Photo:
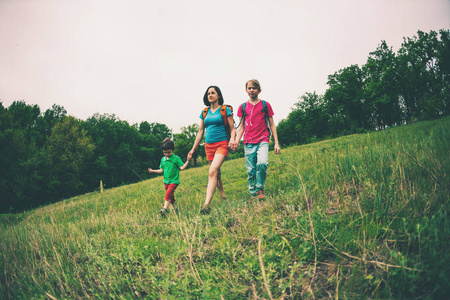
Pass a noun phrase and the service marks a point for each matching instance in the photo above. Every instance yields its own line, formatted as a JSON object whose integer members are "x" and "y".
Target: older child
{"x": 170, "y": 166}
{"x": 255, "y": 121}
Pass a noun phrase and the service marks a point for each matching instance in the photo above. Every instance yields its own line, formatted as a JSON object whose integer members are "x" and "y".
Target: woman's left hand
{"x": 189, "y": 156}
{"x": 233, "y": 144}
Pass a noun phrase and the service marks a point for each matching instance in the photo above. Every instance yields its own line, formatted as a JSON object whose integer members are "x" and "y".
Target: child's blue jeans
{"x": 257, "y": 162}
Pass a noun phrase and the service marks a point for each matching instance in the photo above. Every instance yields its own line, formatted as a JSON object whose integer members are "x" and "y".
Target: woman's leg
{"x": 214, "y": 169}
{"x": 220, "y": 184}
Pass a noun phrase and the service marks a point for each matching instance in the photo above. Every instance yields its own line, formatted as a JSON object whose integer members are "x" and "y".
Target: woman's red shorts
{"x": 219, "y": 148}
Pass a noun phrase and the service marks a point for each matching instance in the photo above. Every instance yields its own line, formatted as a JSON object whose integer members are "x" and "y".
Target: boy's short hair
{"x": 255, "y": 83}
{"x": 167, "y": 144}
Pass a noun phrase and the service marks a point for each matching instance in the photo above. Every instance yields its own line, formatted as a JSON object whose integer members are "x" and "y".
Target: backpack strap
{"x": 205, "y": 111}
{"x": 243, "y": 109}
{"x": 265, "y": 110}
{"x": 223, "y": 113}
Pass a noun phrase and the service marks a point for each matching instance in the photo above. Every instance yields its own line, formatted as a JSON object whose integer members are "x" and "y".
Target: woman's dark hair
{"x": 205, "y": 97}
{"x": 167, "y": 144}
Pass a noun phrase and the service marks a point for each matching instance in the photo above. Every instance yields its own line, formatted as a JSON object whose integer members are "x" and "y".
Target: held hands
{"x": 233, "y": 144}
{"x": 150, "y": 170}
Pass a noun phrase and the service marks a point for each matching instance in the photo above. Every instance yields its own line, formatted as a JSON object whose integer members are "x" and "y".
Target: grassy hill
{"x": 359, "y": 217}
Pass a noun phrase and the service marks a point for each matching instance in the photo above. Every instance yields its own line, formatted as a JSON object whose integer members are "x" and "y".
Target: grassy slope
{"x": 362, "y": 216}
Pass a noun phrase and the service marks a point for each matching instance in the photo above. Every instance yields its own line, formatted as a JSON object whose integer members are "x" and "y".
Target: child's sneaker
{"x": 163, "y": 212}
{"x": 260, "y": 194}
{"x": 205, "y": 210}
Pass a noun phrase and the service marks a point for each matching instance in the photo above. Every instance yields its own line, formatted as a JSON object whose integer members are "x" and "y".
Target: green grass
{"x": 359, "y": 217}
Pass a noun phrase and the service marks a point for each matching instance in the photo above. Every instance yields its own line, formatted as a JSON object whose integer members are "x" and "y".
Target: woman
{"x": 216, "y": 141}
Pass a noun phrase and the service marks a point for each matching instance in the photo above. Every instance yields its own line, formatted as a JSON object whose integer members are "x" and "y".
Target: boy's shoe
{"x": 163, "y": 212}
{"x": 205, "y": 210}
{"x": 260, "y": 194}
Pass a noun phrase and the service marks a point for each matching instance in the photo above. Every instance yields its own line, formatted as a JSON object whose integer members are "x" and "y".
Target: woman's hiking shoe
{"x": 163, "y": 212}
{"x": 260, "y": 194}
{"x": 205, "y": 210}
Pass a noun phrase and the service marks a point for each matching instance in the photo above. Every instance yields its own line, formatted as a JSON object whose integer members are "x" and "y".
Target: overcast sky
{"x": 153, "y": 60}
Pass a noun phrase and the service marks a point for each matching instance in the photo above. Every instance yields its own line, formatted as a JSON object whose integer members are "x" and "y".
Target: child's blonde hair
{"x": 255, "y": 83}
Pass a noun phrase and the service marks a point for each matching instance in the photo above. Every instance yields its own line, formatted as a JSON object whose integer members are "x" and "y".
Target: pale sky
{"x": 145, "y": 60}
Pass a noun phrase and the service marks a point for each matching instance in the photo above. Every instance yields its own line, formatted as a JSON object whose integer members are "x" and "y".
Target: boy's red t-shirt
{"x": 255, "y": 122}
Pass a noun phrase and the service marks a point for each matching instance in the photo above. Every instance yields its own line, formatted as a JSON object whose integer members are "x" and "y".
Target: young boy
{"x": 255, "y": 121}
{"x": 170, "y": 166}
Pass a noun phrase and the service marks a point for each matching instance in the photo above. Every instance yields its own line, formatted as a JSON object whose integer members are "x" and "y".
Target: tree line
{"x": 49, "y": 156}
{"x": 46, "y": 157}
{"x": 412, "y": 84}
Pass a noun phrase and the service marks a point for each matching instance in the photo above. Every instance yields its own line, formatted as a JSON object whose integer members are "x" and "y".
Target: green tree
{"x": 381, "y": 86}
{"x": 314, "y": 122}
{"x": 443, "y": 64}
{"x": 69, "y": 151}
{"x": 123, "y": 152}
{"x": 348, "y": 110}
{"x": 21, "y": 160}
{"x": 148, "y": 151}
{"x": 47, "y": 121}
{"x": 307, "y": 122}
{"x": 111, "y": 155}
{"x": 24, "y": 116}
{"x": 158, "y": 130}
{"x": 185, "y": 140}
{"x": 423, "y": 83}
{"x": 8, "y": 157}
